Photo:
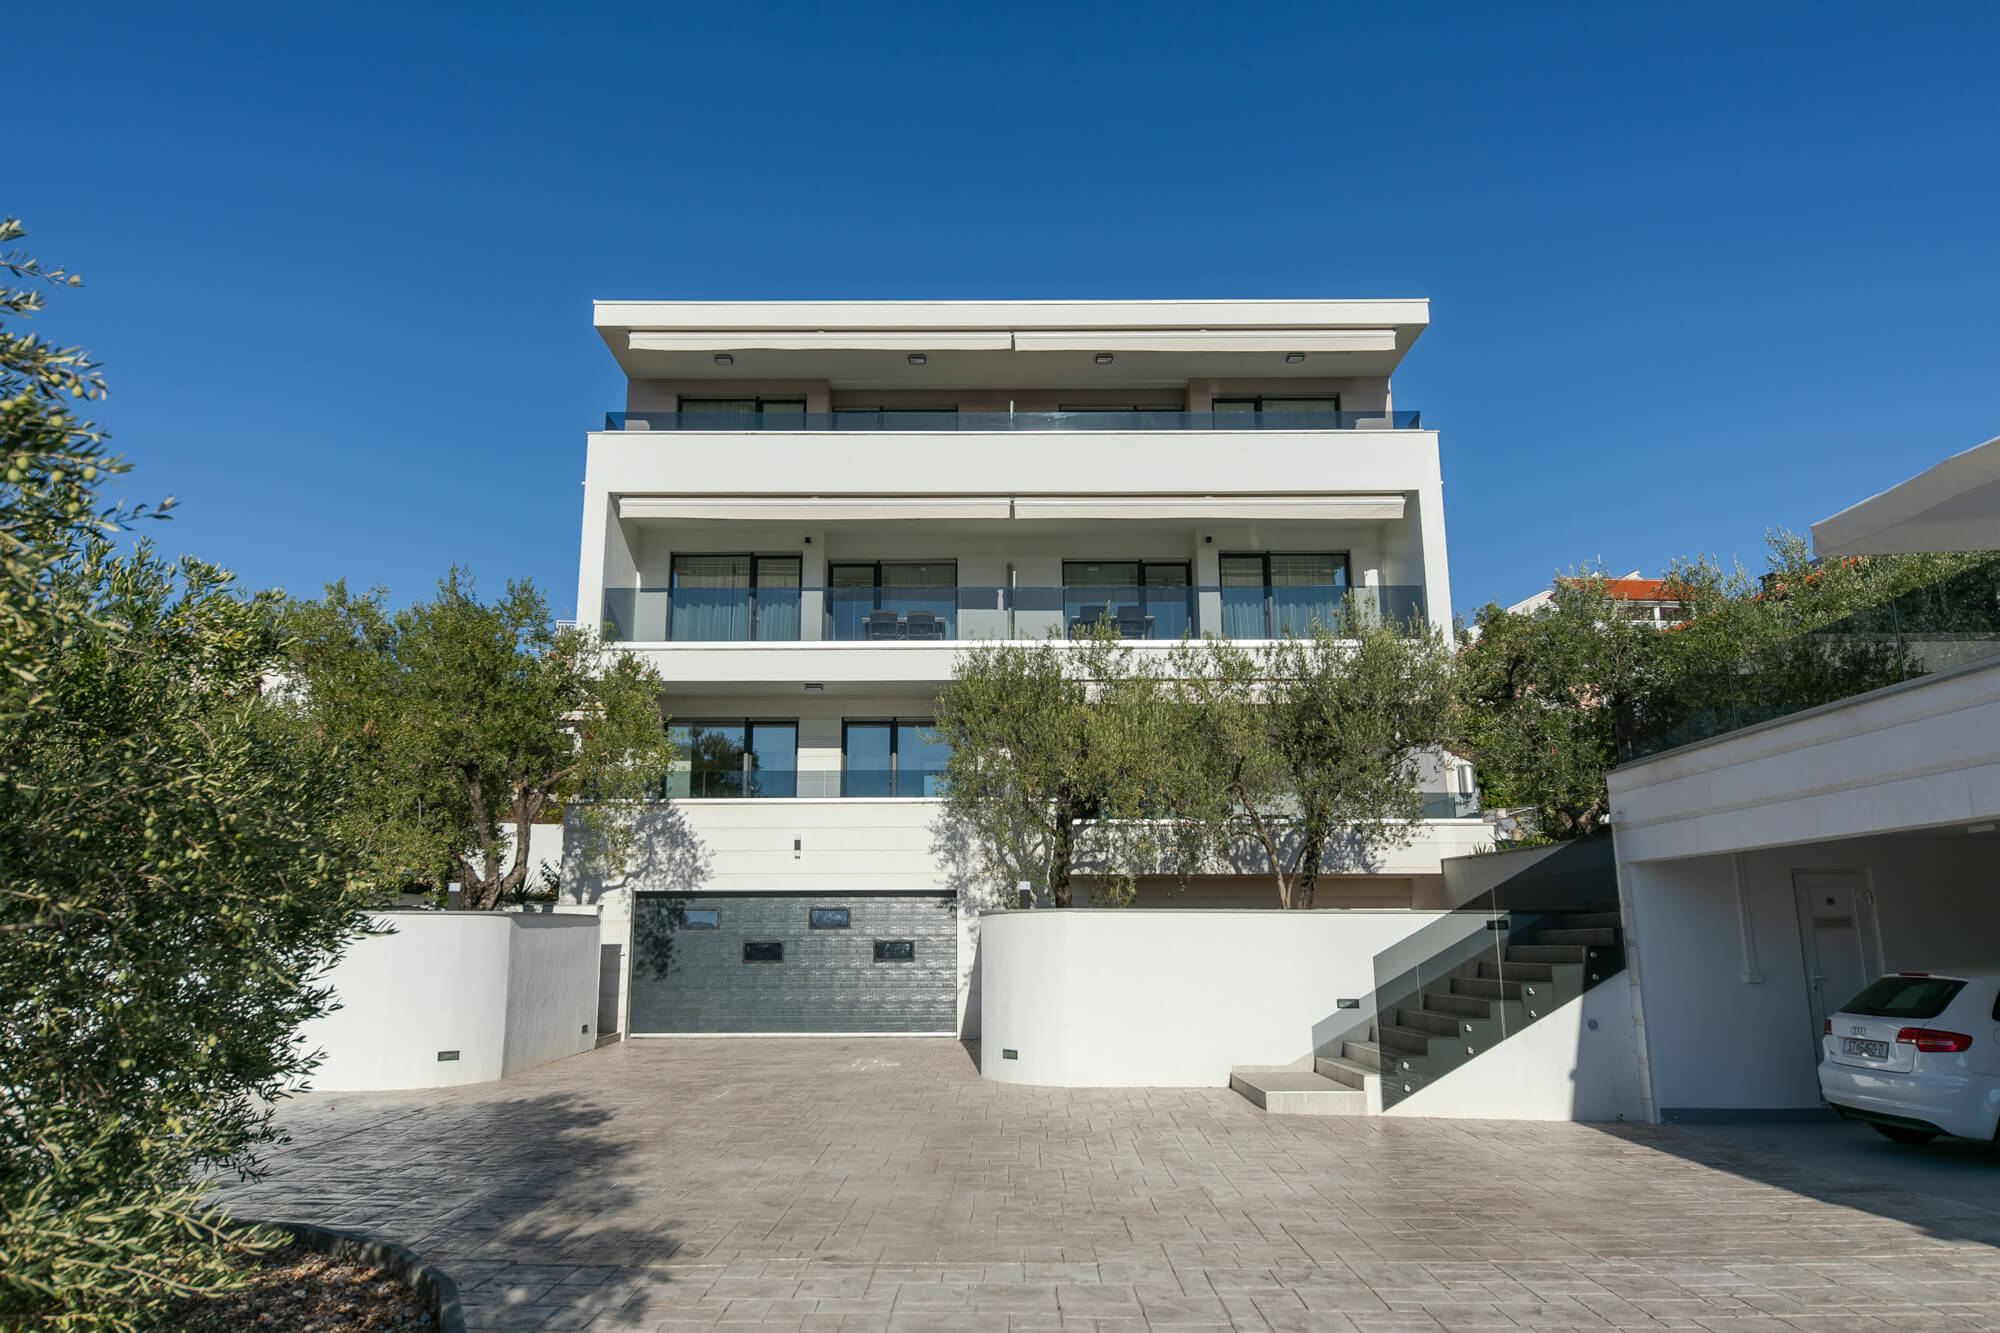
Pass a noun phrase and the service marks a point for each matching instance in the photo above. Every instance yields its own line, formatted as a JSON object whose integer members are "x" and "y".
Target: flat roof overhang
{"x": 980, "y": 344}
{"x": 1954, "y": 506}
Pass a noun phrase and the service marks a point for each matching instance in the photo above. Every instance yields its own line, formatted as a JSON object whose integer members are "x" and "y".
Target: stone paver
{"x": 881, "y": 1184}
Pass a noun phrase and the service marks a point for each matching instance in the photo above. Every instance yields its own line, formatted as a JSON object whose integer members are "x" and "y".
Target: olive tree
{"x": 168, "y": 885}
{"x": 1306, "y": 754}
{"x": 1052, "y": 763}
{"x": 463, "y": 718}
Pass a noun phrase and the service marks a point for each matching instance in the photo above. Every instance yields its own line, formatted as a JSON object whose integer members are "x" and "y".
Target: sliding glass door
{"x": 734, "y": 759}
{"x": 1276, "y": 595}
{"x": 731, "y": 598}
{"x": 899, "y": 757}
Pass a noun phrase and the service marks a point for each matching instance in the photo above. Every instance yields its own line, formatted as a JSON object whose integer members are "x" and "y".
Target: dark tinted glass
{"x": 699, "y": 918}
{"x": 829, "y": 918}
{"x": 763, "y": 951}
{"x": 1905, "y": 997}
{"x": 895, "y": 951}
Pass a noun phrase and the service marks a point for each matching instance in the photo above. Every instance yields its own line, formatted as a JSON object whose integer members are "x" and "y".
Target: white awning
{"x": 1954, "y": 506}
{"x": 1210, "y": 506}
{"x": 821, "y": 509}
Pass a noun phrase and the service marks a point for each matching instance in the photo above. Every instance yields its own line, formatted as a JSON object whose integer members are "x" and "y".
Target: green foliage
{"x": 167, "y": 889}
{"x": 1308, "y": 752}
{"x": 1046, "y": 737}
{"x": 1539, "y": 695}
{"x": 459, "y": 717}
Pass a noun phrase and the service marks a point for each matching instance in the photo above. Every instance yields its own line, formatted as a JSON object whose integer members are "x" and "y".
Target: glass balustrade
{"x": 974, "y": 612}
{"x": 712, "y": 422}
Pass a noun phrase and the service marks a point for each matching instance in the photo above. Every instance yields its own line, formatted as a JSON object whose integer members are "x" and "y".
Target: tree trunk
{"x": 1309, "y": 859}
{"x": 1061, "y": 848}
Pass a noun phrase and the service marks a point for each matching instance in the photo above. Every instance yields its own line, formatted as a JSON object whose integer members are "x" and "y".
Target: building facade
{"x": 805, "y": 510}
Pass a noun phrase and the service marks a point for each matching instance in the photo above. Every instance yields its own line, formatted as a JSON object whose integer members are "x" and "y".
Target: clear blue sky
{"x": 1695, "y": 270}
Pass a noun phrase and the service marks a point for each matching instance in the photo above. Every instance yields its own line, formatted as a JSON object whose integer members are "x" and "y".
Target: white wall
{"x": 1110, "y": 998}
{"x": 1578, "y": 1063}
{"x": 507, "y": 991}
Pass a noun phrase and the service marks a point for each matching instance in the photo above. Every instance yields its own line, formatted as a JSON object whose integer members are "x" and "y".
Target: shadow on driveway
{"x": 1949, "y": 1189}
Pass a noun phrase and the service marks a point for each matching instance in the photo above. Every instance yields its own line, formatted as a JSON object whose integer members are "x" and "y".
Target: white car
{"x": 1916, "y": 1055}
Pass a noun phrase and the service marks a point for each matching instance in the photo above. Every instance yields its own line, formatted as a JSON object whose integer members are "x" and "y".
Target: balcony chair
{"x": 1085, "y": 621}
{"x": 1133, "y": 623}
{"x": 882, "y": 625}
{"x": 922, "y": 625}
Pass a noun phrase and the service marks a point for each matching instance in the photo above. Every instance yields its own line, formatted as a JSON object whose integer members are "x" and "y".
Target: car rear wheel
{"x": 1904, "y": 1134}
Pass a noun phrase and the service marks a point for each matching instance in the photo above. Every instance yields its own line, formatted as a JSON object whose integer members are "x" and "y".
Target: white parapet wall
{"x": 505, "y": 991}
{"x": 1174, "y": 999}
{"x": 1161, "y": 998}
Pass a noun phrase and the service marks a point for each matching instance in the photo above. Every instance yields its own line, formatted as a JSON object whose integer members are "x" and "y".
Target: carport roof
{"x": 1954, "y": 506}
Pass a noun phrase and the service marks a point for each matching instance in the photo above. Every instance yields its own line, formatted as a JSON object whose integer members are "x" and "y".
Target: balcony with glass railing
{"x": 1952, "y": 623}
{"x": 941, "y": 614}
{"x": 714, "y": 422}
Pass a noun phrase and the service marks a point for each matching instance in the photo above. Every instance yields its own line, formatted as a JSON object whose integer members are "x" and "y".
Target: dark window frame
{"x": 763, "y": 947}
{"x": 745, "y": 770}
{"x": 1345, "y": 558}
{"x": 1257, "y": 400}
{"x": 895, "y": 726}
{"x": 682, "y": 919}
{"x": 813, "y": 921}
{"x": 681, "y": 404}
{"x": 756, "y": 561}
{"x": 895, "y": 956}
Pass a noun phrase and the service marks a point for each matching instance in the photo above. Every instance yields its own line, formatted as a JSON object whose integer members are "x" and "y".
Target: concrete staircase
{"x": 1467, "y": 1010}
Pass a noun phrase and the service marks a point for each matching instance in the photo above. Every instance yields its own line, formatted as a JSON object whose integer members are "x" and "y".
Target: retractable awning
{"x": 1954, "y": 506}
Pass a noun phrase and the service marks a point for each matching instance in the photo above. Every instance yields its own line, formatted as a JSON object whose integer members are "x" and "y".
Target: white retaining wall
{"x": 507, "y": 991}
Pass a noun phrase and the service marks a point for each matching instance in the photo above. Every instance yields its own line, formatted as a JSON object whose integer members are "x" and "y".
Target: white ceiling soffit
{"x": 1954, "y": 506}
{"x": 1210, "y": 506}
{"x": 1205, "y": 340}
{"x": 794, "y": 340}
{"x": 832, "y": 509}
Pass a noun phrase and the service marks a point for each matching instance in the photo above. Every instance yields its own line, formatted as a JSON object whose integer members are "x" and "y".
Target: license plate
{"x": 1872, "y": 1050}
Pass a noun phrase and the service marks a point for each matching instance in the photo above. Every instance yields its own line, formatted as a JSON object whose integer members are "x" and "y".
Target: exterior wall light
{"x": 1104, "y": 358}
{"x": 916, "y": 358}
{"x": 1293, "y": 358}
{"x": 814, "y": 687}
{"x": 724, "y": 359}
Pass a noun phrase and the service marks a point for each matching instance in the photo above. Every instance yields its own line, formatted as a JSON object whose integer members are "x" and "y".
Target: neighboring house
{"x": 1770, "y": 870}
{"x": 806, "y": 510}
{"x": 1642, "y": 600}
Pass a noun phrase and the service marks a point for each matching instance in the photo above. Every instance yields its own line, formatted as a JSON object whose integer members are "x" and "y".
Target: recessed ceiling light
{"x": 1104, "y": 358}
{"x": 724, "y": 359}
{"x": 916, "y": 358}
{"x": 1293, "y": 358}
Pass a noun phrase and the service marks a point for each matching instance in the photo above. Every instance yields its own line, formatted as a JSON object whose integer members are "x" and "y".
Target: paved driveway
{"x": 871, "y": 1184}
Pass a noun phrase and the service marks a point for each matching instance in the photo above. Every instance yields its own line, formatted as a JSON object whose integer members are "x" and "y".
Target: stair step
{"x": 1482, "y": 988}
{"x": 1578, "y": 935}
{"x": 1412, "y": 1040}
{"x": 1431, "y": 1021}
{"x": 1518, "y": 971}
{"x": 1547, "y": 953}
{"x": 1297, "y": 1092}
{"x": 1347, "y": 1073}
{"x": 1370, "y": 1055}
{"x": 1611, "y": 919}
{"x": 1463, "y": 1006}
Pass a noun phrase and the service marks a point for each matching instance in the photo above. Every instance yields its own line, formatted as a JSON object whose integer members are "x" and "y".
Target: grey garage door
{"x": 794, "y": 962}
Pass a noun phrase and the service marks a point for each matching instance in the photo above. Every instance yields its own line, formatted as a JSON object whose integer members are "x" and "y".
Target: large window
{"x": 1143, "y": 599}
{"x": 734, "y": 759}
{"x": 745, "y": 413}
{"x": 861, "y": 417}
{"x": 896, "y": 757}
{"x": 1276, "y": 595}
{"x": 730, "y": 598}
{"x": 892, "y": 599}
{"x": 1303, "y": 408}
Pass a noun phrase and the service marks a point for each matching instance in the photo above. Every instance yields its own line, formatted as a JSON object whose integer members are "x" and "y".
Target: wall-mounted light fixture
{"x": 917, "y": 358}
{"x": 814, "y": 687}
{"x": 1293, "y": 358}
{"x": 724, "y": 359}
{"x": 1104, "y": 358}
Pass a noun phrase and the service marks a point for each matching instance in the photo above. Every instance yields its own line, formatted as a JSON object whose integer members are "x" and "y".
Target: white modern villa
{"x": 804, "y": 511}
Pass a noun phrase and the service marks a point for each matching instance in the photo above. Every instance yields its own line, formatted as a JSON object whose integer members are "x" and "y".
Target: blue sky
{"x": 1695, "y": 270}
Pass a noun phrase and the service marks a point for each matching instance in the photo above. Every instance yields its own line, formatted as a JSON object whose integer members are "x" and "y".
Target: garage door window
{"x": 895, "y": 951}
{"x": 698, "y": 918}
{"x": 763, "y": 951}
{"x": 829, "y": 918}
